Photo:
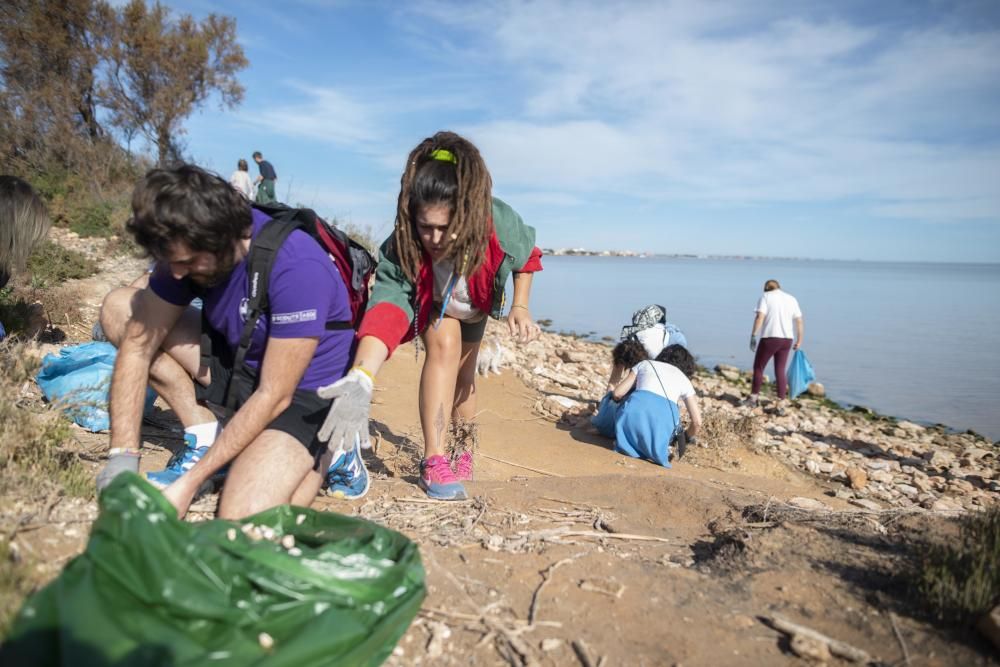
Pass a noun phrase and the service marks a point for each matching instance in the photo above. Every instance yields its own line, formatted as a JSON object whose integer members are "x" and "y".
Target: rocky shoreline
{"x": 871, "y": 461}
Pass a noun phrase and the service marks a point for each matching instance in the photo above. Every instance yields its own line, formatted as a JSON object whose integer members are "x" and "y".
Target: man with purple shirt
{"x": 199, "y": 230}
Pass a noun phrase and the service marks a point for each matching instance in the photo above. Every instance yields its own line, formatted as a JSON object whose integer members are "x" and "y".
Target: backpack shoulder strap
{"x": 260, "y": 260}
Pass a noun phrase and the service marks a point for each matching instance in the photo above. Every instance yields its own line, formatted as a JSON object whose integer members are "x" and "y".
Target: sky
{"x": 841, "y": 130}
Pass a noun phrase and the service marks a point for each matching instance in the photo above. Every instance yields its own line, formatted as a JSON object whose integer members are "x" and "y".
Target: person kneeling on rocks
{"x": 648, "y": 421}
{"x": 650, "y": 327}
{"x": 200, "y": 231}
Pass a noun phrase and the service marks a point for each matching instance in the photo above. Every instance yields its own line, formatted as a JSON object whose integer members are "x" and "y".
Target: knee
{"x": 445, "y": 348}
{"x": 116, "y": 309}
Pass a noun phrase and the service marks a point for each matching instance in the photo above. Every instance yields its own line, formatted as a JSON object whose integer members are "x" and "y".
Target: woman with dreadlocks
{"x": 439, "y": 275}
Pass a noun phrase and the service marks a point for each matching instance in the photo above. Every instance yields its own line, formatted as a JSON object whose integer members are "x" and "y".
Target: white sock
{"x": 204, "y": 434}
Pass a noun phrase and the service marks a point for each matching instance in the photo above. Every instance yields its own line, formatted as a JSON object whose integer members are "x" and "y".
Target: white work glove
{"x": 347, "y": 421}
{"x": 119, "y": 461}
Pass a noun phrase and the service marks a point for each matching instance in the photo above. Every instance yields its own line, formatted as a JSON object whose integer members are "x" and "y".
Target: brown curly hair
{"x": 191, "y": 205}
{"x": 463, "y": 185}
{"x": 628, "y": 353}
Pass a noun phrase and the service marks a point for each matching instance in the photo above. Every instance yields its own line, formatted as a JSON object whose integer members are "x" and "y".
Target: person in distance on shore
{"x": 439, "y": 275}
{"x": 240, "y": 179}
{"x": 199, "y": 230}
{"x": 648, "y": 423}
{"x": 265, "y": 180}
{"x": 649, "y": 327}
{"x": 777, "y": 314}
{"x": 623, "y": 357}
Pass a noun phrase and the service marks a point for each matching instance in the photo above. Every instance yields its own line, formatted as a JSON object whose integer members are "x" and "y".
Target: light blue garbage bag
{"x": 800, "y": 374}
{"x": 78, "y": 379}
{"x": 604, "y": 420}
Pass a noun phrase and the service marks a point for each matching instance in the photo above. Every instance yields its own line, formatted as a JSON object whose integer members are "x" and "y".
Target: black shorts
{"x": 301, "y": 420}
{"x": 472, "y": 332}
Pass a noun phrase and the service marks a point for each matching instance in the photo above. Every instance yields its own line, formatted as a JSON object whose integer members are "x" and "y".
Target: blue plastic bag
{"x": 78, "y": 379}
{"x": 675, "y": 336}
{"x": 800, "y": 374}
{"x": 604, "y": 420}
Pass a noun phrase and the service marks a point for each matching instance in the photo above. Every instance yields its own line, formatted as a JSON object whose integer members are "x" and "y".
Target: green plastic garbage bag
{"x": 153, "y": 590}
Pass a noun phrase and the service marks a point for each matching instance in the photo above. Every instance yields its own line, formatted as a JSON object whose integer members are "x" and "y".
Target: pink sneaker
{"x": 439, "y": 481}
{"x": 463, "y": 466}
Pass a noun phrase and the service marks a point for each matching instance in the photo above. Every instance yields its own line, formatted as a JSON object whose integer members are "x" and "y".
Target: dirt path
{"x": 570, "y": 554}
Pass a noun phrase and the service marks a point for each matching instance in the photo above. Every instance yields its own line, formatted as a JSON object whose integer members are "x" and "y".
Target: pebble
{"x": 858, "y": 477}
{"x": 551, "y": 644}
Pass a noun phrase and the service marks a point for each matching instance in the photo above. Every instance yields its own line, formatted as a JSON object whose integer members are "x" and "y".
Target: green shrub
{"x": 94, "y": 219}
{"x": 960, "y": 579}
{"x": 52, "y": 264}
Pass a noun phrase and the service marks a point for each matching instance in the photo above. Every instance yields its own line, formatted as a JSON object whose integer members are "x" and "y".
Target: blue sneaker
{"x": 347, "y": 476}
{"x": 183, "y": 461}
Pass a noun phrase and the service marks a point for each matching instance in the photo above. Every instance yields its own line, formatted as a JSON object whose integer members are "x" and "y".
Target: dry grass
{"x": 462, "y": 437}
{"x": 959, "y": 579}
{"x": 15, "y": 585}
{"x": 40, "y": 299}
{"x": 33, "y": 456}
{"x": 721, "y": 433}
{"x": 35, "y": 468}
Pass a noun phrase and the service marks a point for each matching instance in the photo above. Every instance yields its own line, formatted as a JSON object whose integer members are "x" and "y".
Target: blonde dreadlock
{"x": 445, "y": 169}
{"x": 24, "y": 222}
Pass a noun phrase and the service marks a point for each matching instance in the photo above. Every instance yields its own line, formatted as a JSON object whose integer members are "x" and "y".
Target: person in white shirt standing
{"x": 241, "y": 180}
{"x": 777, "y": 314}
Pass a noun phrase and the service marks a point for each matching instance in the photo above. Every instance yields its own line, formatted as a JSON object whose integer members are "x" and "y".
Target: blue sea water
{"x": 916, "y": 340}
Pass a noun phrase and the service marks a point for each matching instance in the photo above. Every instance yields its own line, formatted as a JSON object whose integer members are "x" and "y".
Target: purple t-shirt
{"x": 305, "y": 292}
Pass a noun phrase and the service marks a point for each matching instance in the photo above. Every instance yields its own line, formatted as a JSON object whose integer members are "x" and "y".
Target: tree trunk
{"x": 162, "y": 146}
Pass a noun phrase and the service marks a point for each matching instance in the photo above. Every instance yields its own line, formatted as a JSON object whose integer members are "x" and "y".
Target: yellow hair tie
{"x": 443, "y": 156}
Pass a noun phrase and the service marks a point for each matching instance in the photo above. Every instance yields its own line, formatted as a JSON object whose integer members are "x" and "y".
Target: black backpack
{"x": 352, "y": 260}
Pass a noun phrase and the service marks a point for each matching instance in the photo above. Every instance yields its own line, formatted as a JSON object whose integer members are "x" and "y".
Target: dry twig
{"x": 837, "y": 647}
{"x": 546, "y": 576}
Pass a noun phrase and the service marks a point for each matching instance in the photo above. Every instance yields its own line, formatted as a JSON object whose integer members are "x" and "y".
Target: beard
{"x": 223, "y": 269}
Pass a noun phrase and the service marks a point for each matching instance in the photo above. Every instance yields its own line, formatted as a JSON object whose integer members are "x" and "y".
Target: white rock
{"x": 866, "y": 504}
{"x": 807, "y": 504}
{"x": 559, "y": 404}
{"x": 551, "y": 644}
{"x": 946, "y": 505}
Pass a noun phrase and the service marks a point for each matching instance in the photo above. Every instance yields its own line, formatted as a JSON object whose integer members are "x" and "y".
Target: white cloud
{"x": 725, "y": 103}
{"x": 320, "y": 113}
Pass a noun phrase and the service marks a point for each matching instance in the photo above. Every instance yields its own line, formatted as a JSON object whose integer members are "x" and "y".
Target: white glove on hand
{"x": 119, "y": 461}
{"x": 347, "y": 420}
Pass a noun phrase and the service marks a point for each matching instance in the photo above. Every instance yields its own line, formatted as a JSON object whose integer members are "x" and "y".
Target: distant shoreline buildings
{"x": 594, "y": 253}
{"x": 583, "y": 252}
